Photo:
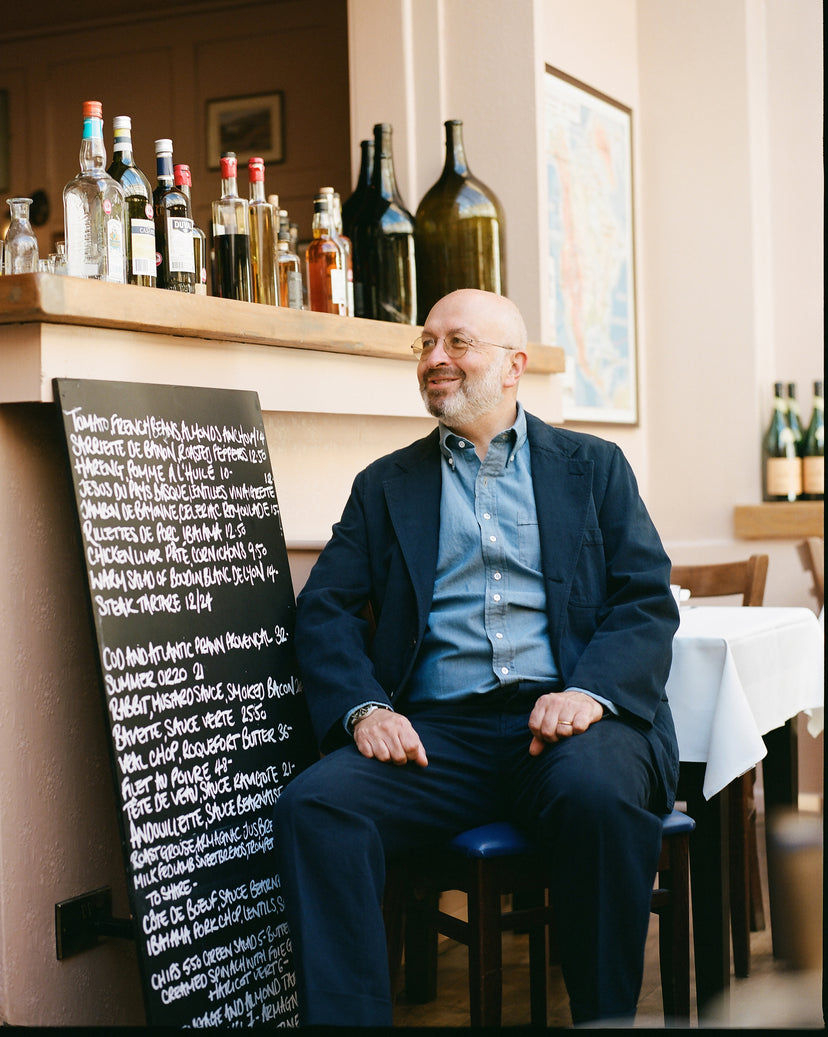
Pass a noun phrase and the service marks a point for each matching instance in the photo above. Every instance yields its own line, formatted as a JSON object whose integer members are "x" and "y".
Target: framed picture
{"x": 588, "y": 150}
{"x": 249, "y": 126}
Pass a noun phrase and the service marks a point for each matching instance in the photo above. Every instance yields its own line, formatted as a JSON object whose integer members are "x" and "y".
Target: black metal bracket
{"x": 81, "y": 922}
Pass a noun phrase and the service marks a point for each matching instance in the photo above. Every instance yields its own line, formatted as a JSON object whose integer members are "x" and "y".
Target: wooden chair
{"x": 747, "y": 580}
{"x": 812, "y": 554}
{"x": 489, "y": 862}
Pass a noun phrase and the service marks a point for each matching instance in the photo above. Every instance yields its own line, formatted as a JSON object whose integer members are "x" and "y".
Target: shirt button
{"x": 496, "y": 597}
{"x": 498, "y": 576}
{"x": 461, "y": 443}
{"x": 504, "y": 670}
{"x": 486, "y": 515}
{"x": 493, "y": 540}
{"x": 499, "y": 637}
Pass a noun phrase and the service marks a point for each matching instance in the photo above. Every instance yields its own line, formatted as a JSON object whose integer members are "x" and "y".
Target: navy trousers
{"x": 590, "y": 802}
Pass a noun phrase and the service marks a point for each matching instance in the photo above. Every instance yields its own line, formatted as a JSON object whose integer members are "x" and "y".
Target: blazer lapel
{"x": 413, "y": 499}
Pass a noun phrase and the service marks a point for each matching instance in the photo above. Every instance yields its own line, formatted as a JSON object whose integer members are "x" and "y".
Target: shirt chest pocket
{"x": 528, "y": 541}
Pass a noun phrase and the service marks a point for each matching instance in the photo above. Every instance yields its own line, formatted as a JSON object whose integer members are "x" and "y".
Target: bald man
{"x": 515, "y": 669}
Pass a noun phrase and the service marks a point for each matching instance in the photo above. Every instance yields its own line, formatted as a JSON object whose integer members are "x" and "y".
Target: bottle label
{"x": 180, "y": 245}
{"x": 115, "y": 250}
{"x": 813, "y": 475}
{"x": 339, "y": 287}
{"x": 294, "y": 283}
{"x": 784, "y": 477}
{"x": 77, "y": 239}
{"x": 142, "y": 239}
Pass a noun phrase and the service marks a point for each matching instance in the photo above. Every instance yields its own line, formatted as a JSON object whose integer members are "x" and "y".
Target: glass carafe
{"x": 20, "y": 253}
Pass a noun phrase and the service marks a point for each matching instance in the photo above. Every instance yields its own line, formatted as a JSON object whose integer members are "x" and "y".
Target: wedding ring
{"x": 566, "y": 723}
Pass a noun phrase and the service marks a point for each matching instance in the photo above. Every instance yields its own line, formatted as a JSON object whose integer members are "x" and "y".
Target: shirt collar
{"x": 516, "y": 433}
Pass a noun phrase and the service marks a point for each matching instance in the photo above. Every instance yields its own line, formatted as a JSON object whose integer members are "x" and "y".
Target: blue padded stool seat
{"x": 496, "y": 859}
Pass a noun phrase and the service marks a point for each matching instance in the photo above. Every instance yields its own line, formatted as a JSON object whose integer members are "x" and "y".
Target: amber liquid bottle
{"x": 460, "y": 231}
{"x": 387, "y": 238}
{"x": 327, "y": 280}
{"x": 262, "y": 237}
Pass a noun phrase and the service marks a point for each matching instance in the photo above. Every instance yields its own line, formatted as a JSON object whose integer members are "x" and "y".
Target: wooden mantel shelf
{"x": 780, "y": 520}
{"x": 297, "y": 360}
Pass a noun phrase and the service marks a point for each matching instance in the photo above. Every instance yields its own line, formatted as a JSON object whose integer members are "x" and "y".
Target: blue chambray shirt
{"x": 488, "y": 625}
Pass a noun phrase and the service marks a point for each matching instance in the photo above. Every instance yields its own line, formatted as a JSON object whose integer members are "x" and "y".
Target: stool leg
{"x": 537, "y": 965}
{"x": 421, "y": 947}
{"x": 485, "y": 950}
{"x": 674, "y": 933}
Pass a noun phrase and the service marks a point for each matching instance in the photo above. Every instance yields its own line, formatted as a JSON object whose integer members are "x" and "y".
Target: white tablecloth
{"x": 738, "y": 673}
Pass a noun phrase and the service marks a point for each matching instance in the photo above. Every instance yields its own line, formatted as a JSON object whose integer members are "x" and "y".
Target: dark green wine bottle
{"x": 353, "y": 213}
{"x": 781, "y": 465}
{"x": 140, "y": 221}
{"x": 812, "y": 450}
{"x": 386, "y": 236}
{"x": 173, "y": 227}
{"x": 460, "y": 237}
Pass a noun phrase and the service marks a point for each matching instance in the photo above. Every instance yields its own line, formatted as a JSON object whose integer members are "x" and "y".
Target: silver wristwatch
{"x": 361, "y": 713}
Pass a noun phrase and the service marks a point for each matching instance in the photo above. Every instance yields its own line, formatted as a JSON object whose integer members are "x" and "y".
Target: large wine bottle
{"x": 812, "y": 450}
{"x": 173, "y": 226}
{"x": 386, "y": 236}
{"x": 140, "y": 223}
{"x": 781, "y": 465}
{"x": 231, "y": 236}
{"x": 352, "y": 213}
{"x": 460, "y": 236}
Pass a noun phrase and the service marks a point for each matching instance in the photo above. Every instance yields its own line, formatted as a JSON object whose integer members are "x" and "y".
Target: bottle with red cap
{"x": 231, "y": 237}
{"x": 262, "y": 238}
{"x": 183, "y": 179}
{"x": 94, "y": 209}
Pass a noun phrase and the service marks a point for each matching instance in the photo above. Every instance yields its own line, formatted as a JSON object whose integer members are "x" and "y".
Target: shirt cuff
{"x": 598, "y": 698}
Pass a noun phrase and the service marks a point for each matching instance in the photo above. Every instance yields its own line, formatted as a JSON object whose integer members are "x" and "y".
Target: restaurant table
{"x": 738, "y": 678}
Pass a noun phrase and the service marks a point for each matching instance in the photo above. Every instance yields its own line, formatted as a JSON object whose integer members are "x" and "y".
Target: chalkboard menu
{"x": 193, "y": 609}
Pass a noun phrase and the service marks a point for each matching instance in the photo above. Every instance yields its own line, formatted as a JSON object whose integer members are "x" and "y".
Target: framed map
{"x": 588, "y": 148}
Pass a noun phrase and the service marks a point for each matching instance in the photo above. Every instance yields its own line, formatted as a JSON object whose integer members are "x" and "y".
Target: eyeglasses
{"x": 455, "y": 343}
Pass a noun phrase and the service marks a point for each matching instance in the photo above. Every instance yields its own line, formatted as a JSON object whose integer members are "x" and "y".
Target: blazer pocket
{"x": 589, "y": 585}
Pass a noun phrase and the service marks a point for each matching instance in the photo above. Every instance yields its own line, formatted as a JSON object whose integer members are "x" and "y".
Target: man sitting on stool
{"x": 523, "y": 638}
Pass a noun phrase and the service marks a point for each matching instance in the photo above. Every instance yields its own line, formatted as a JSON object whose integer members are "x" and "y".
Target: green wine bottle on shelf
{"x": 794, "y": 415}
{"x": 387, "y": 238}
{"x": 140, "y": 221}
{"x": 352, "y": 213}
{"x": 173, "y": 226}
{"x": 781, "y": 465}
{"x": 460, "y": 236}
{"x": 812, "y": 450}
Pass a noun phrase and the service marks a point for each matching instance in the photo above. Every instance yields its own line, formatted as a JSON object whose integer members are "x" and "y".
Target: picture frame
{"x": 252, "y": 125}
{"x": 591, "y": 248}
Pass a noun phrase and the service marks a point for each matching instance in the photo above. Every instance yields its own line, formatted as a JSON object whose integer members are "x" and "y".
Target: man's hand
{"x": 559, "y": 715}
{"x": 390, "y": 738}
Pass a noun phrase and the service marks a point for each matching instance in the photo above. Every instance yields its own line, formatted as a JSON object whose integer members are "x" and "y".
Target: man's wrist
{"x": 353, "y": 717}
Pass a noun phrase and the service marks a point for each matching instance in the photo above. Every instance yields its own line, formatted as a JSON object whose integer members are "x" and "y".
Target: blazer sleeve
{"x": 334, "y": 626}
{"x": 621, "y": 647}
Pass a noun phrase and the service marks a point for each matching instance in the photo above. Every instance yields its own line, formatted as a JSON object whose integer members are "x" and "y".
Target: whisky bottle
{"x": 327, "y": 282}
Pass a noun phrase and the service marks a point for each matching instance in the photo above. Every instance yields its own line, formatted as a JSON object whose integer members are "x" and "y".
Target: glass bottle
{"x": 352, "y": 214}
{"x": 231, "y": 236}
{"x": 20, "y": 253}
{"x": 781, "y": 466}
{"x": 140, "y": 224}
{"x": 327, "y": 283}
{"x": 183, "y": 179}
{"x": 288, "y": 267}
{"x": 94, "y": 209}
{"x": 460, "y": 231}
{"x": 335, "y": 208}
{"x": 262, "y": 238}
{"x": 794, "y": 415}
{"x": 173, "y": 226}
{"x": 812, "y": 450}
{"x": 387, "y": 238}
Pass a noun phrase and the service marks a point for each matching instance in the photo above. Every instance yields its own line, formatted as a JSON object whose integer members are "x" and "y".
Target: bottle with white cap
{"x": 175, "y": 256}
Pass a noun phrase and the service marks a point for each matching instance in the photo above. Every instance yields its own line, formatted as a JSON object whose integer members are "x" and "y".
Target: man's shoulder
{"x": 566, "y": 441}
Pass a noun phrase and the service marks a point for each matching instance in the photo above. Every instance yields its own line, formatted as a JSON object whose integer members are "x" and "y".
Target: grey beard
{"x": 470, "y": 401}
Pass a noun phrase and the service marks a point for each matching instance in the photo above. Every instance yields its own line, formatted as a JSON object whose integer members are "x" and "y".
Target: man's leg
{"x": 587, "y": 801}
{"x": 336, "y": 824}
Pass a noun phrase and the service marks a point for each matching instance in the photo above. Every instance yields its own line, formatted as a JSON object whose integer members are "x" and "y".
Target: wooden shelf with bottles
{"x": 783, "y": 520}
{"x": 297, "y": 360}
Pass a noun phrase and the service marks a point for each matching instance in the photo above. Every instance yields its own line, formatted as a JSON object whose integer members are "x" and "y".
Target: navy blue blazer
{"x": 611, "y": 614}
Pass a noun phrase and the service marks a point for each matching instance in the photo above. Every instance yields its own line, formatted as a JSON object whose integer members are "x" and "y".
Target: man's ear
{"x": 515, "y": 366}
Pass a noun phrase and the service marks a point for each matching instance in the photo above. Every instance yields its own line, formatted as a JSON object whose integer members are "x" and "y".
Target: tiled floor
{"x": 771, "y": 997}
